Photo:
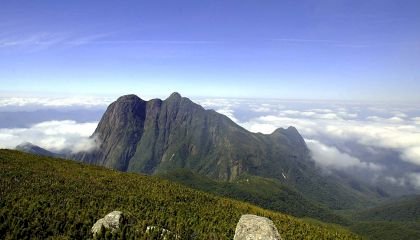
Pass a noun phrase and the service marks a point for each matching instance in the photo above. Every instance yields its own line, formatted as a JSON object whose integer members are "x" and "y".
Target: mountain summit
{"x": 155, "y": 136}
{"x": 158, "y": 136}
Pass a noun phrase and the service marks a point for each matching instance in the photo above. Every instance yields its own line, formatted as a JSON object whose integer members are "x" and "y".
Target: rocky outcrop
{"x": 111, "y": 221}
{"x": 160, "y": 136}
{"x": 157, "y": 136}
{"x": 252, "y": 227}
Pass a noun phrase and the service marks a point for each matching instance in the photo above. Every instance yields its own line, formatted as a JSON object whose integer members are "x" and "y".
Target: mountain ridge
{"x": 149, "y": 123}
{"x": 157, "y": 136}
{"x": 34, "y": 149}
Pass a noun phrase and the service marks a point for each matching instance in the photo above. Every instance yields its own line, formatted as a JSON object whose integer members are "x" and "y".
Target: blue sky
{"x": 345, "y": 50}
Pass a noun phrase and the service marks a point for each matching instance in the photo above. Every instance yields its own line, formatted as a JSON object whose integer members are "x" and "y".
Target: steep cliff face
{"x": 161, "y": 136}
{"x": 118, "y": 133}
{"x": 156, "y": 136}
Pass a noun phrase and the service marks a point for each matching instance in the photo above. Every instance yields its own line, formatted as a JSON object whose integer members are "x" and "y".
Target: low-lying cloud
{"x": 49, "y": 102}
{"x": 341, "y": 136}
{"x": 374, "y": 141}
{"x": 55, "y": 136}
{"x": 414, "y": 178}
{"x": 402, "y": 136}
{"x": 331, "y": 157}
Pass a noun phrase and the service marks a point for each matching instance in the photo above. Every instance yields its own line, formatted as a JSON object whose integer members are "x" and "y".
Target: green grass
{"x": 43, "y": 197}
{"x": 385, "y": 230}
{"x": 264, "y": 192}
{"x": 405, "y": 209}
{"x": 396, "y": 219}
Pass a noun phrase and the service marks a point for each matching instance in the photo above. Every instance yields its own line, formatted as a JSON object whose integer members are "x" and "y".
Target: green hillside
{"x": 43, "y": 197}
{"x": 403, "y": 210}
{"x": 398, "y": 219}
{"x": 264, "y": 192}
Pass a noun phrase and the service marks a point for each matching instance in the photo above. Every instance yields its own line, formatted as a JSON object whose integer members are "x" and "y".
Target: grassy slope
{"x": 42, "y": 197}
{"x": 406, "y": 209}
{"x": 264, "y": 192}
{"x": 398, "y": 219}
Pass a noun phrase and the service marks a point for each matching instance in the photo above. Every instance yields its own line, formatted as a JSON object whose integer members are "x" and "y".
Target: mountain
{"x": 50, "y": 198}
{"x": 34, "y": 149}
{"x": 160, "y": 136}
{"x": 154, "y": 136}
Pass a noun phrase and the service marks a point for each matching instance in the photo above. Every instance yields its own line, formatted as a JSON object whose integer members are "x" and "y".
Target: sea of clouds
{"x": 376, "y": 141}
{"x": 379, "y": 142}
{"x": 56, "y": 124}
{"x": 55, "y": 136}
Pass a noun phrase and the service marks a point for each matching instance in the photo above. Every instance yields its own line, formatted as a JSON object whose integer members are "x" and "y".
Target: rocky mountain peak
{"x": 129, "y": 98}
{"x": 152, "y": 136}
{"x": 174, "y": 97}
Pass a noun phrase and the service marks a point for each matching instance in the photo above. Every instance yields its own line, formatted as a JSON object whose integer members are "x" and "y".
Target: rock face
{"x": 160, "y": 136}
{"x": 111, "y": 221}
{"x": 157, "y": 136}
{"x": 252, "y": 227}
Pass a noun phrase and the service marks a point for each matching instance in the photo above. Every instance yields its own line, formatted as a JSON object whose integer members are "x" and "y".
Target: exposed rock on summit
{"x": 161, "y": 135}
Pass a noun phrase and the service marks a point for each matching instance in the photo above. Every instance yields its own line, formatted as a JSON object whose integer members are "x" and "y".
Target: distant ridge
{"x": 34, "y": 149}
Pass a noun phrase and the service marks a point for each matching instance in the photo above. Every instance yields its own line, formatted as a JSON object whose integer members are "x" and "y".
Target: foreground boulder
{"x": 111, "y": 221}
{"x": 252, "y": 227}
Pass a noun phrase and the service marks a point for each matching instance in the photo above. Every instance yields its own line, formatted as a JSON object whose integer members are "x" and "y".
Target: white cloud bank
{"x": 401, "y": 135}
{"x": 55, "y": 136}
{"x": 414, "y": 178}
{"x": 393, "y": 129}
{"x": 376, "y": 127}
{"x": 331, "y": 157}
{"x": 221, "y": 105}
{"x": 55, "y": 102}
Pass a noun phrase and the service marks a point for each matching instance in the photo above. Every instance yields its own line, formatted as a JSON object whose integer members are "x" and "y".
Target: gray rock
{"x": 111, "y": 221}
{"x": 154, "y": 136}
{"x": 251, "y": 227}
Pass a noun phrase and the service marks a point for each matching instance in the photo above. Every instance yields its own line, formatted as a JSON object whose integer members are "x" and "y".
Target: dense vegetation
{"x": 264, "y": 192}
{"x": 386, "y": 230}
{"x": 398, "y": 219}
{"x": 402, "y": 210}
{"x": 42, "y": 197}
